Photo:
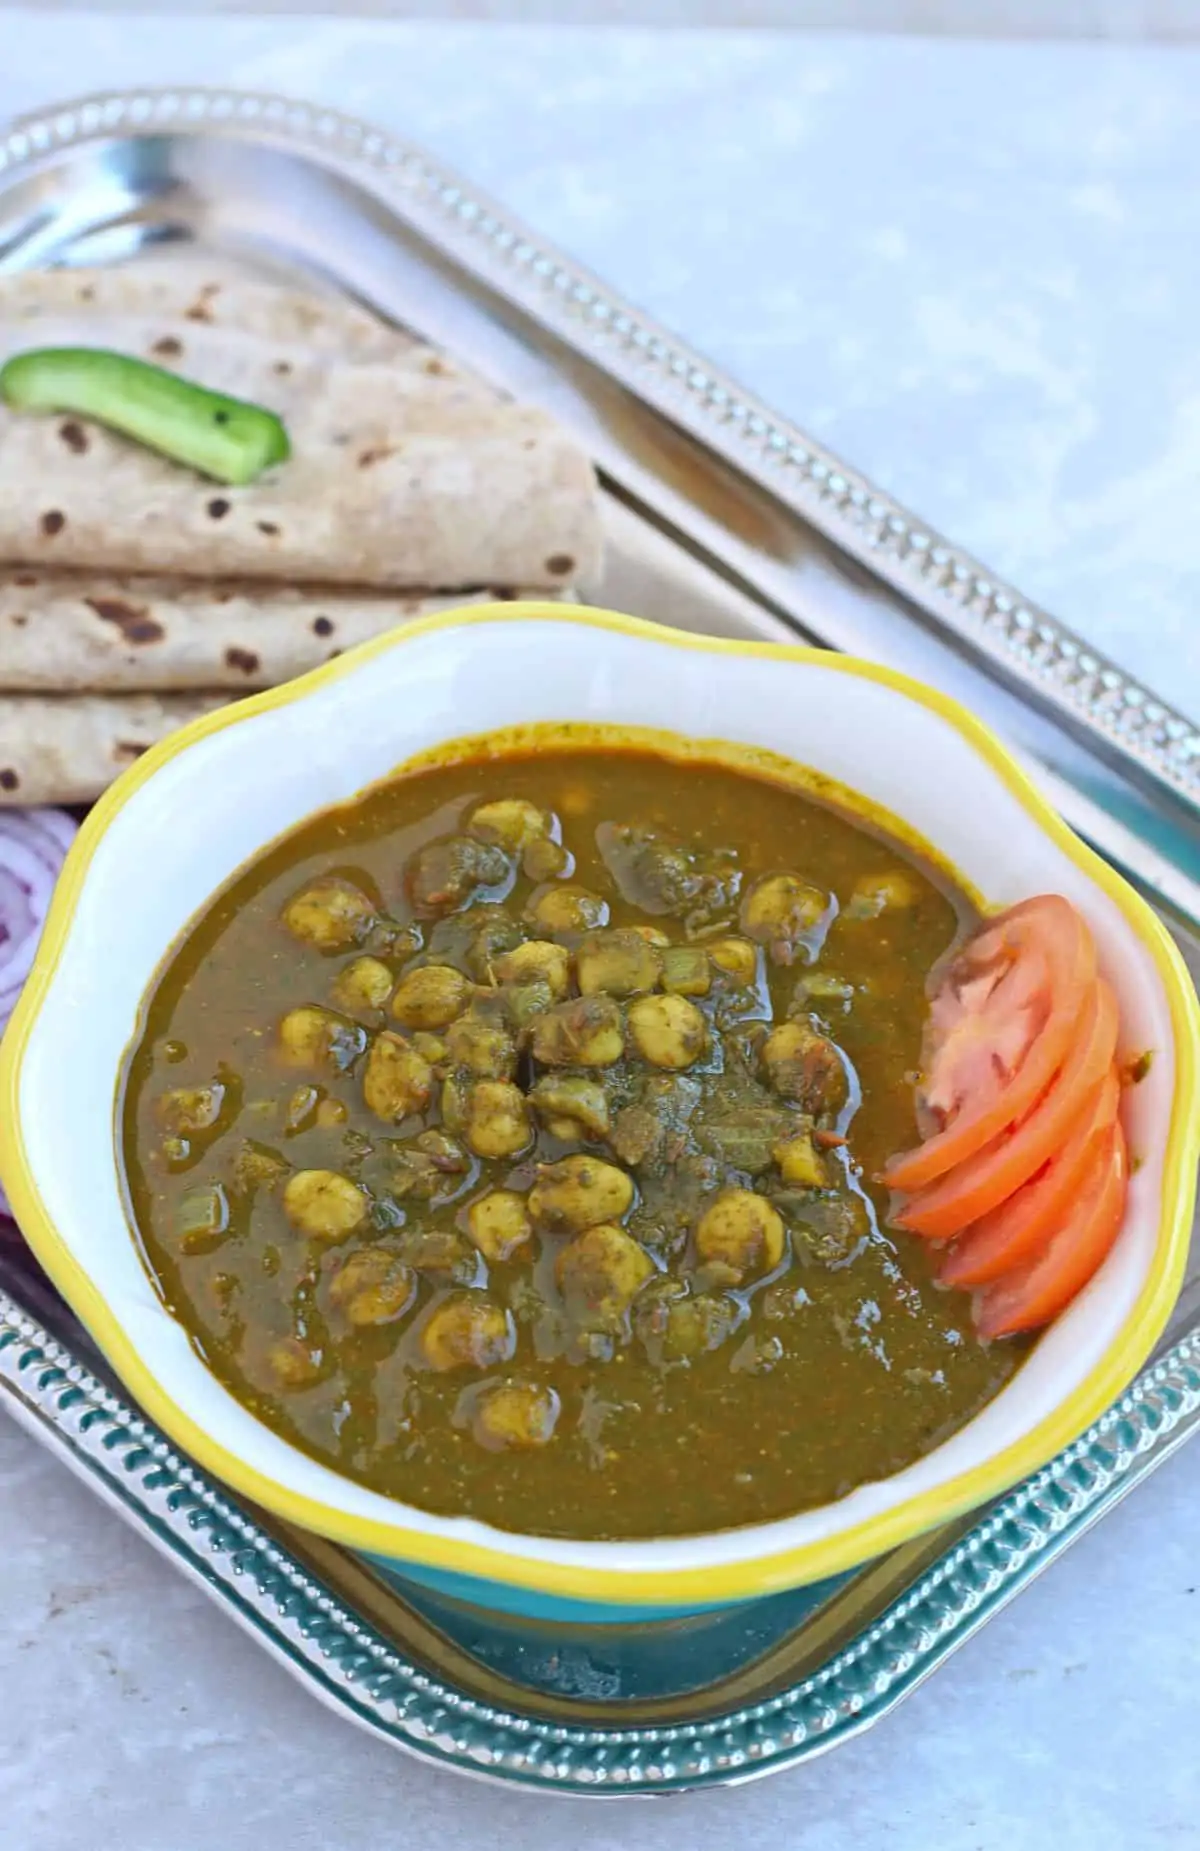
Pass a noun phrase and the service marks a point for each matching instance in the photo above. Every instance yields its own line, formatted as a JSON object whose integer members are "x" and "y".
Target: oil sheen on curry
{"x": 506, "y": 1140}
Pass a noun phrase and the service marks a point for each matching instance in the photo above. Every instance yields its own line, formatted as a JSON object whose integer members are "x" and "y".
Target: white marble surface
{"x": 969, "y": 266}
{"x": 1128, "y": 20}
{"x": 973, "y": 269}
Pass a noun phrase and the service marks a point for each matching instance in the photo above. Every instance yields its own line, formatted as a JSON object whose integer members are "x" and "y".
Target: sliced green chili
{"x": 224, "y": 438}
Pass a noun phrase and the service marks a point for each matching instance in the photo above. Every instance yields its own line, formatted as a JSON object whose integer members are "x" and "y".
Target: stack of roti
{"x": 136, "y": 594}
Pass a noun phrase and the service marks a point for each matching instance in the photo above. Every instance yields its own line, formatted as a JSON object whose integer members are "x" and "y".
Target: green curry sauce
{"x": 600, "y": 1265}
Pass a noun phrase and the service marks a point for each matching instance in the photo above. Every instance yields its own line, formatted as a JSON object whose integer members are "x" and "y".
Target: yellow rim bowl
{"x": 513, "y": 665}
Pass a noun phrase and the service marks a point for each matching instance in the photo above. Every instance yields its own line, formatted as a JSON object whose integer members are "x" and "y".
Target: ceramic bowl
{"x": 193, "y": 810}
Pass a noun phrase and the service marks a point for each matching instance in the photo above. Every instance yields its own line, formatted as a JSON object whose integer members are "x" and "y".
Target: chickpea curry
{"x": 507, "y": 1140}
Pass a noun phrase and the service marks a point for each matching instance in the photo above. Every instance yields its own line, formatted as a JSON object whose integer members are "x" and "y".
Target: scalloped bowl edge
{"x": 907, "y": 748}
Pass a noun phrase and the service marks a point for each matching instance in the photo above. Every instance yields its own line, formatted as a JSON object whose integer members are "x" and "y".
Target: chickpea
{"x": 741, "y": 1231}
{"x": 398, "y": 1081}
{"x": 659, "y": 874}
{"x": 431, "y": 1048}
{"x": 481, "y": 1046}
{"x": 694, "y": 1325}
{"x": 467, "y": 1331}
{"x": 668, "y": 1031}
{"x": 787, "y": 915}
{"x": 492, "y": 932}
{"x": 600, "y": 1273}
{"x": 372, "y": 1286}
{"x": 444, "y": 875}
{"x": 431, "y": 997}
{"x": 331, "y": 914}
{"x": 570, "y": 1105}
{"x": 806, "y": 1067}
{"x": 497, "y": 1123}
{"x": 514, "y": 1416}
{"x": 616, "y": 963}
{"x": 293, "y": 1364}
{"x": 331, "y": 1112}
{"x": 800, "y": 1163}
{"x": 190, "y": 1109}
{"x": 304, "y": 1036}
{"x": 499, "y": 1224}
{"x": 363, "y": 986}
{"x": 543, "y": 859}
{"x": 736, "y": 958}
{"x": 686, "y": 971}
{"x": 563, "y": 908}
{"x": 324, "y": 1204}
{"x": 524, "y": 1001}
{"x": 537, "y": 961}
{"x": 511, "y": 821}
{"x": 882, "y": 893}
{"x": 579, "y": 1192}
{"x": 309, "y": 1037}
{"x": 585, "y": 1032}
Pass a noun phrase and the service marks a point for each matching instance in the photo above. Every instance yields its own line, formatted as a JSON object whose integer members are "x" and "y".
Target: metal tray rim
{"x": 352, "y": 1666}
{"x": 1048, "y": 663}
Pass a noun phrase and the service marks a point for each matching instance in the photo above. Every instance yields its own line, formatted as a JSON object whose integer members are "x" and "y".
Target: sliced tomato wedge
{"x": 1028, "y": 1219}
{"x": 985, "y": 1180}
{"x": 1003, "y": 1013}
{"x": 982, "y": 1023}
{"x": 1033, "y": 1294}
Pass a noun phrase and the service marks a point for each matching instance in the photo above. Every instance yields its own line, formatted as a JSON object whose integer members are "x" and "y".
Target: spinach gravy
{"x": 506, "y": 1139}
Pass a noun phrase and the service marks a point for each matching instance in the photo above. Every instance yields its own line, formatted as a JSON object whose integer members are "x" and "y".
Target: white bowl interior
{"x": 207, "y": 811}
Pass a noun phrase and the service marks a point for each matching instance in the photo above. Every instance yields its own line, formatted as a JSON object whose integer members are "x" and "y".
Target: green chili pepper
{"x": 224, "y": 438}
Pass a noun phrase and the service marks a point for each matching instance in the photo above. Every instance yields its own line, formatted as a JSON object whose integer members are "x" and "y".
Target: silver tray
{"x": 720, "y": 517}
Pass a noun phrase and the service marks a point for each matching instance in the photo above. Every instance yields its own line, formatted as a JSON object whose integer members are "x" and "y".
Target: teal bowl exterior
{"x": 526, "y": 1603}
{"x": 529, "y": 1603}
{"x": 578, "y": 1650}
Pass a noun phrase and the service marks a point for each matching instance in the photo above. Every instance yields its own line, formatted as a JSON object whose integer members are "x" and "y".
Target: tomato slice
{"x": 1034, "y": 1293}
{"x": 982, "y": 1023}
{"x": 1028, "y": 1219}
{"x": 985, "y": 1180}
{"x": 1003, "y": 1013}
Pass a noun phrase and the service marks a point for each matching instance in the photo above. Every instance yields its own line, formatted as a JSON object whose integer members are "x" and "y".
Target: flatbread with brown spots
{"x": 405, "y": 472}
{"x": 63, "y": 632}
{"x": 69, "y": 748}
{"x": 205, "y": 294}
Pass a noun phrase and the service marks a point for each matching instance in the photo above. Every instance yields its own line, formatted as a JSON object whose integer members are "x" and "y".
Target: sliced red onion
{"x": 55, "y": 823}
{"x": 33, "y": 844}
{"x": 18, "y": 921}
